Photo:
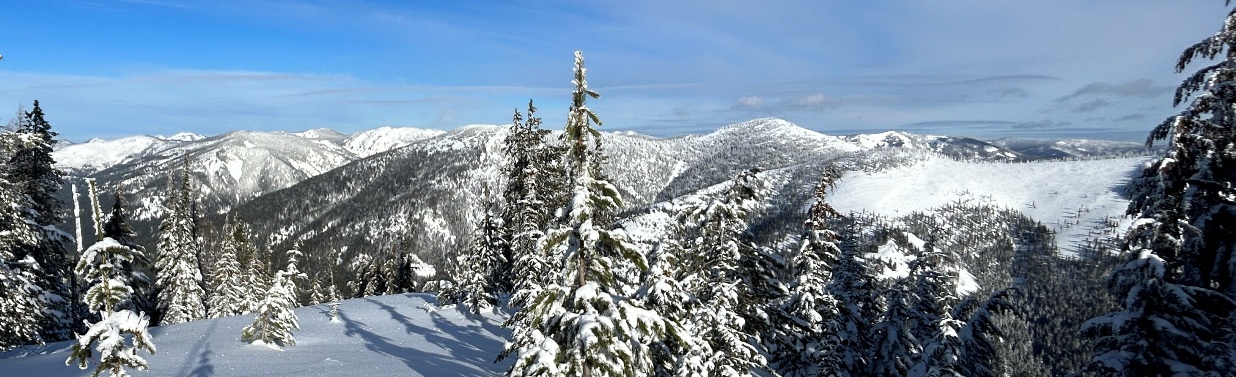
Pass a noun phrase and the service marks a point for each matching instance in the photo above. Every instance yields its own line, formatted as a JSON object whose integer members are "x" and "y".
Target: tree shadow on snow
{"x": 475, "y": 346}
{"x": 201, "y": 349}
{"x": 425, "y": 363}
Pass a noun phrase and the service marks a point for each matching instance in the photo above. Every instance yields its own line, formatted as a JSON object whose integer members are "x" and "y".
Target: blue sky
{"x": 984, "y": 68}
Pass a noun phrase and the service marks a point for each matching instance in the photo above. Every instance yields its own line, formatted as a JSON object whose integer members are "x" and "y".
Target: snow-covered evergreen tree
{"x": 804, "y": 320}
{"x": 935, "y": 289}
{"x": 32, "y": 173}
{"x": 582, "y": 324}
{"x": 859, "y": 307}
{"x": 179, "y": 277}
{"x": 985, "y": 343}
{"x": 117, "y": 227}
{"x": 942, "y": 353}
{"x": 478, "y": 276}
{"x": 896, "y": 348}
{"x": 735, "y": 277}
{"x": 1178, "y": 292}
{"x": 275, "y": 318}
{"x": 317, "y": 294}
{"x": 101, "y": 266}
{"x": 664, "y": 289}
{"x": 534, "y": 177}
{"x": 230, "y": 295}
{"x": 254, "y": 270}
{"x": 20, "y": 309}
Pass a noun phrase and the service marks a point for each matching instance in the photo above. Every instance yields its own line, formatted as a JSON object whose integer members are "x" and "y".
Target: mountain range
{"x": 342, "y": 197}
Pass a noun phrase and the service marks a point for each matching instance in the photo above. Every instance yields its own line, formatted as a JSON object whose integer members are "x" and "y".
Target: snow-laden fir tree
{"x": 317, "y": 294}
{"x": 1178, "y": 291}
{"x": 101, "y": 267}
{"x": 229, "y": 295}
{"x": 581, "y": 324}
{"x": 859, "y": 307}
{"x": 117, "y": 227}
{"x": 275, "y": 316}
{"x": 534, "y": 180}
{"x": 478, "y": 275}
{"x": 664, "y": 289}
{"x": 896, "y": 349}
{"x": 935, "y": 289}
{"x": 179, "y": 277}
{"x": 20, "y": 308}
{"x": 804, "y": 321}
{"x": 732, "y": 304}
{"x": 32, "y": 172}
{"x": 942, "y": 352}
{"x": 254, "y": 269}
{"x": 987, "y": 345}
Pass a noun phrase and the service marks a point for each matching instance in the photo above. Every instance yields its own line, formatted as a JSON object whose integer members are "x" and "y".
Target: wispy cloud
{"x": 1142, "y": 88}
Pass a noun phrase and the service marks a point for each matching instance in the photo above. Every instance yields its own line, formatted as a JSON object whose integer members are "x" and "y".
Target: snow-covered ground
{"x": 396, "y": 335}
{"x": 1076, "y": 199}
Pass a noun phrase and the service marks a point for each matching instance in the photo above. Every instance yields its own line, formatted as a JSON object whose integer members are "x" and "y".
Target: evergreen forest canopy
{"x": 732, "y": 285}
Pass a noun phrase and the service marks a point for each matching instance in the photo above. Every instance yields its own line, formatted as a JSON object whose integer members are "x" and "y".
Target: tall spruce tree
{"x": 733, "y": 280}
{"x": 31, "y": 170}
{"x": 116, "y": 227}
{"x": 534, "y": 180}
{"x": 478, "y": 274}
{"x": 1178, "y": 289}
{"x": 179, "y": 276}
{"x": 804, "y": 319}
{"x": 229, "y": 295}
{"x": 20, "y": 309}
{"x": 665, "y": 289}
{"x": 896, "y": 348}
{"x": 853, "y": 285}
{"x": 581, "y": 324}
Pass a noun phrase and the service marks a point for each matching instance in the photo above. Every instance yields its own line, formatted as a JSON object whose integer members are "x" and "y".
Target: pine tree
{"x": 275, "y": 317}
{"x": 533, "y": 182}
{"x": 581, "y": 324}
{"x": 853, "y": 286}
{"x": 20, "y": 309}
{"x": 983, "y": 338}
{"x": 255, "y": 273}
{"x": 1179, "y": 290}
{"x": 942, "y": 353}
{"x": 734, "y": 289}
{"x": 478, "y": 273}
{"x": 317, "y": 294}
{"x": 117, "y": 228}
{"x": 181, "y": 297}
{"x": 803, "y": 320}
{"x": 31, "y": 170}
{"x": 896, "y": 348}
{"x": 665, "y": 289}
{"x": 101, "y": 265}
{"x": 229, "y": 296}
{"x": 935, "y": 287}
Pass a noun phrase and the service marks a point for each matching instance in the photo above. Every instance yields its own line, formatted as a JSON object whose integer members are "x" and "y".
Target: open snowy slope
{"x": 1076, "y": 199}
{"x": 396, "y": 335}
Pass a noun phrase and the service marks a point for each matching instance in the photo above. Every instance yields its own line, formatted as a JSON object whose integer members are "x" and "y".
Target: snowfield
{"x": 395, "y": 335}
{"x": 1076, "y": 199}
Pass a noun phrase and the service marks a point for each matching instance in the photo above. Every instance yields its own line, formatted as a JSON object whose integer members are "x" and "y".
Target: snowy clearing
{"x": 1076, "y": 199}
{"x": 404, "y": 335}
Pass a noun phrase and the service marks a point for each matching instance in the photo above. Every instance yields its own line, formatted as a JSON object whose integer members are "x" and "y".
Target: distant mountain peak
{"x": 182, "y": 136}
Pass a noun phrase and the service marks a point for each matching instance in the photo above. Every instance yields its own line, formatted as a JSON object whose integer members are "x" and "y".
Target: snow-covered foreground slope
{"x": 396, "y": 335}
{"x": 1076, "y": 199}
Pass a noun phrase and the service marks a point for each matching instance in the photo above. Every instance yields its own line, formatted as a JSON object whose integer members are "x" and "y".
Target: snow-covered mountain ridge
{"x": 425, "y": 194}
